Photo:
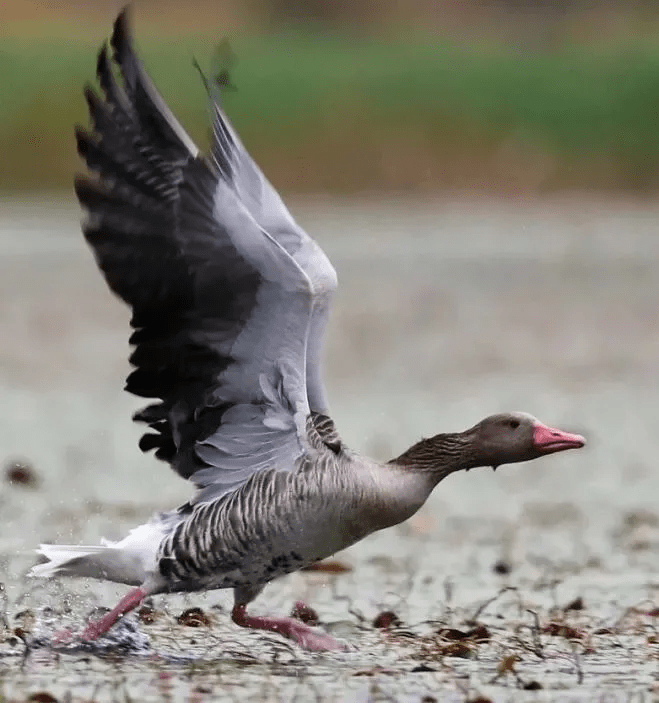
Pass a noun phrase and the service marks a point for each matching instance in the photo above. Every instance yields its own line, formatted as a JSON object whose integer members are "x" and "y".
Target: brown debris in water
{"x": 148, "y": 615}
{"x": 449, "y": 633}
{"x": 637, "y": 518}
{"x": 193, "y": 617}
{"x": 507, "y": 666}
{"x": 451, "y": 642}
{"x": 456, "y": 649}
{"x": 375, "y": 671}
{"x": 20, "y": 472}
{"x": 328, "y": 567}
{"x": 202, "y": 688}
{"x": 560, "y": 629}
{"x": 502, "y": 567}
{"x": 386, "y": 620}
{"x": 21, "y": 633}
{"x": 532, "y": 686}
{"x": 480, "y": 633}
{"x": 42, "y": 697}
{"x": 25, "y": 621}
{"x": 576, "y": 604}
{"x": 305, "y": 613}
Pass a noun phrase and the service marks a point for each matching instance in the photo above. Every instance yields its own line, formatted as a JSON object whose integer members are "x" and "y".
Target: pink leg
{"x": 131, "y": 600}
{"x": 307, "y": 637}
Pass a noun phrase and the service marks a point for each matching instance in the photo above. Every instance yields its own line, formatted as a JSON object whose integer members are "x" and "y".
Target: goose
{"x": 229, "y": 300}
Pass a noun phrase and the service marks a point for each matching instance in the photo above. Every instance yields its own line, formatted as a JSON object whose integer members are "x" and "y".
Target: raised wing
{"x": 268, "y": 209}
{"x": 222, "y": 310}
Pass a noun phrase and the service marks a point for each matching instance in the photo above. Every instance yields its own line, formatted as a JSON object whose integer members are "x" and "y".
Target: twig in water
{"x": 356, "y": 614}
{"x": 577, "y": 662}
{"x": 403, "y": 593}
{"x": 4, "y": 606}
{"x": 279, "y": 647}
{"x": 448, "y": 595}
{"x": 481, "y": 608}
{"x": 535, "y": 632}
{"x": 351, "y": 609}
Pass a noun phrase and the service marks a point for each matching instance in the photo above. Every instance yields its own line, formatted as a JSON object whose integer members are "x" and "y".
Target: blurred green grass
{"x": 334, "y": 113}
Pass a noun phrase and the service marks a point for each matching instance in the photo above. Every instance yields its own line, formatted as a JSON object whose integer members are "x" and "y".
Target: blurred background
{"x": 507, "y": 96}
{"x": 483, "y": 175}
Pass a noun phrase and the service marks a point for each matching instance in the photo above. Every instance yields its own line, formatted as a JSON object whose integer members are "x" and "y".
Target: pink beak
{"x": 548, "y": 440}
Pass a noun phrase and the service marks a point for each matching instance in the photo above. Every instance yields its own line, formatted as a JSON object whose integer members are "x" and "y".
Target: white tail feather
{"x": 57, "y": 556}
{"x": 90, "y": 561}
{"x": 129, "y": 561}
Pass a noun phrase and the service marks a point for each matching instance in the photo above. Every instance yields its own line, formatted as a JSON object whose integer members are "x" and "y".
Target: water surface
{"x": 447, "y": 311}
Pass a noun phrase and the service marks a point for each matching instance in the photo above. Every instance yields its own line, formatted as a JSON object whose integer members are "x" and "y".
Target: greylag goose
{"x": 229, "y": 300}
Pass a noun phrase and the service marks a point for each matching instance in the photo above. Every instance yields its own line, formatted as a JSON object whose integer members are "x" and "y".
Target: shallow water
{"x": 447, "y": 311}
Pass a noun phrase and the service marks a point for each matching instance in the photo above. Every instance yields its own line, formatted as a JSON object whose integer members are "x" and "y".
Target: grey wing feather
{"x": 222, "y": 307}
{"x": 270, "y": 212}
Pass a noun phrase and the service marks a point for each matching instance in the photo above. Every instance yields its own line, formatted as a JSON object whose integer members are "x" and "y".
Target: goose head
{"x": 507, "y": 438}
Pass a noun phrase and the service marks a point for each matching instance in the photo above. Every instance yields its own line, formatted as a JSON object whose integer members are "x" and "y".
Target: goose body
{"x": 230, "y": 299}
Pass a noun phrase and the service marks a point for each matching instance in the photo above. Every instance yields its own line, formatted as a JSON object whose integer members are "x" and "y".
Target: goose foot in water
{"x": 99, "y": 627}
{"x": 307, "y": 637}
{"x": 95, "y": 629}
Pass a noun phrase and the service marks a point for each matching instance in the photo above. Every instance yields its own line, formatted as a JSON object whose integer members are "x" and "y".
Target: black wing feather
{"x": 151, "y": 229}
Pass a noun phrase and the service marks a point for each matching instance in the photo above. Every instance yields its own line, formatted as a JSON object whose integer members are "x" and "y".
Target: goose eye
{"x": 514, "y": 424}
